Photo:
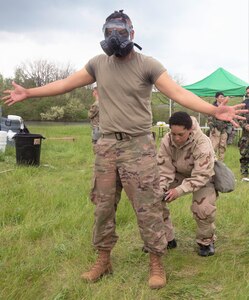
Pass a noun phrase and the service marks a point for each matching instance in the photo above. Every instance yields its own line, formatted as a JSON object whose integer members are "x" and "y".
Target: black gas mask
{"x": 117, "y": 38}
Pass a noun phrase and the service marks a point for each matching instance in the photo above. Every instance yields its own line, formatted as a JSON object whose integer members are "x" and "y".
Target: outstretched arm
{"x": 185, "y": 98}
{"x": 77, "y": 79}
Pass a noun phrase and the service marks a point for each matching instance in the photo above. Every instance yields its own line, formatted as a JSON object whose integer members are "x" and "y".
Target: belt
{"x": 119, "y": 136}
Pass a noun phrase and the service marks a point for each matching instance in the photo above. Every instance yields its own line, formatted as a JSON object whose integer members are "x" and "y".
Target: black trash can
{"x": 28, "y": 148}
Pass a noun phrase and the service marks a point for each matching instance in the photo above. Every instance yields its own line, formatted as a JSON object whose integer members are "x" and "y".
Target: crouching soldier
{"x": 186, "y": 161}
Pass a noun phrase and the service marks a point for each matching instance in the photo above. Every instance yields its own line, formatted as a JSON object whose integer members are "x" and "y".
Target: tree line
{"x": 72, "y": 106}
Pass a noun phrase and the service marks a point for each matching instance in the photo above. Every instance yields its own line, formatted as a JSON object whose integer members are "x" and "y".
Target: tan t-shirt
{"x": 125, "y": 88}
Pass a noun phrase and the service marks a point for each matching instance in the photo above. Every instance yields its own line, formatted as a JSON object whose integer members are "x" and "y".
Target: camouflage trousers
{"x": 203, "y": 209}
{"x": 131, "y": 160}
{"x": 219, "y": 142}
{"x": 244, "y": 153}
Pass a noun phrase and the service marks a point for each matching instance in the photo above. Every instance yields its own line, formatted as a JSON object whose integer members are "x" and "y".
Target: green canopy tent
{"x": 219, "y": 80}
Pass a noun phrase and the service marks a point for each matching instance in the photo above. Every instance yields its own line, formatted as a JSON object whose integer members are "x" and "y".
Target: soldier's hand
{"x": 171, "y": 195}
{"x": 17, "y": 94}
{"x": 230, "y": 113}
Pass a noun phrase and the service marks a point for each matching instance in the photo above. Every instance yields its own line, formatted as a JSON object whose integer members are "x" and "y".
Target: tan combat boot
{"x": 157, "y": 275}
{"x": 101, "y": 267}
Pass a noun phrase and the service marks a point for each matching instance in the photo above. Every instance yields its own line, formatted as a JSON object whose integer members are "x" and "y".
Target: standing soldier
{"x": 126, "y": 150}
{"x": 186, "y": 163}
{"x": 219, "y": 130}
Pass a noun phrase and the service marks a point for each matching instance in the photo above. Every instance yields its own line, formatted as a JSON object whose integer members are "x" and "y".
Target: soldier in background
{"x": 93, "y": 115}
{"x": 231, "y": 135}
{"x": 186, "y": 163}
{"x": 244, "y": 140}
{"x": 246, "y": 98}
{"x": 219, "y": 130}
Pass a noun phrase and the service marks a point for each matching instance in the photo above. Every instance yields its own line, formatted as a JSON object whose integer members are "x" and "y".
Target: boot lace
{"x": 101, "y": 262}
{"x": 156, "y": 267}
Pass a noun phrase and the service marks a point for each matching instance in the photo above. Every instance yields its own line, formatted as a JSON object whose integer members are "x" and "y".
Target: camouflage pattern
{"x": 189, "y": 168}
{"x": 118, "y": 190}
{"x": 194, "y": 159}
{"x": 222, "y": 126}
{"x": 244, "y": 146}
{"x": 170, "y": 232}
{"x": 203, "y": 208}
{"x": 219, "y": 133}
{"x": 219, "y": 142}
{"x": 231, "y": 136}
{"x": 93, "y": 115}
{"x": 133, "y": 160}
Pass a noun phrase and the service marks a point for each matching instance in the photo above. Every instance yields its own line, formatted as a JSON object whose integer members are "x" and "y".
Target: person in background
{"x": 219, "y": 130}
{"x": 231, "y": 133}
{"x": 93, "y": 115}
{"x": 186, "y": 163}
{"x": 244, "y": 140}
{"x": 126, "y": 149}
{"x": 246, "y": 99}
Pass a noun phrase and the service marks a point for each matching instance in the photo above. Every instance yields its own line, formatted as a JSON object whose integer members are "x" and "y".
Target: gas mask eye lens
{"x": 123, "y": 32}
{"x": 108, "y": 32}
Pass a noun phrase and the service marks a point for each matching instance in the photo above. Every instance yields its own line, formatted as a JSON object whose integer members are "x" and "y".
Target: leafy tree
{"x": 40, "y": 72}
{"x": 54, "y": 113}
{"x": 74, "y": 109}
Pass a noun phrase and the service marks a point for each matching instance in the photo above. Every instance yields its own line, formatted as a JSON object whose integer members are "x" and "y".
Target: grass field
{"x": 46, "y": 223}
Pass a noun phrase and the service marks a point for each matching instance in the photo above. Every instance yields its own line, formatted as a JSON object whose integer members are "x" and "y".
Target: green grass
{"x": 46, "y": 220}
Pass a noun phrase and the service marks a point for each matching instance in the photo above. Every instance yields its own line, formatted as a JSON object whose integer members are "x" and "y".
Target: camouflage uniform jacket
{"x": 243, "y": 123}
{"x": 194, "y": 160}
{"x": 93, "y": 114}
{"x": 222, "y": 126}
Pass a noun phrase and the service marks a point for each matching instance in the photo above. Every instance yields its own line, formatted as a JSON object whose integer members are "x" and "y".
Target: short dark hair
{"x": 119, "y": 15}
{"x": 219, "y": 94}
{"x": 181, "y": 118}
{"x": 247, "y": 87}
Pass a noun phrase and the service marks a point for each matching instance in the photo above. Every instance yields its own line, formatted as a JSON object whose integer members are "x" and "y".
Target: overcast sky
{"x": 192, "y": 38}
